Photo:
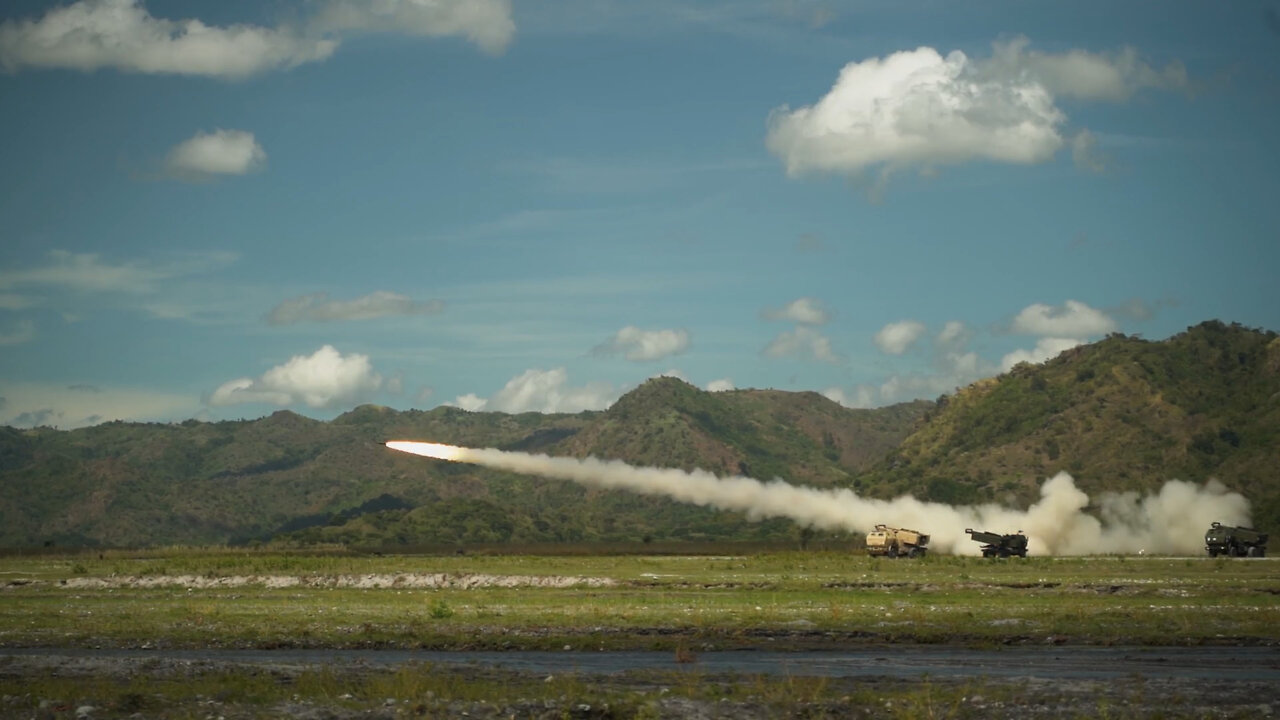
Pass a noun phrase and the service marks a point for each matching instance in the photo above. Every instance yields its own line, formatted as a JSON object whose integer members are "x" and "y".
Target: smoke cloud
{"x": 1171, "y": 521}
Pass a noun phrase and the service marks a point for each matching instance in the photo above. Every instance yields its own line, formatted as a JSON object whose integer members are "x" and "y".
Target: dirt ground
{"x": 643, "y": 694}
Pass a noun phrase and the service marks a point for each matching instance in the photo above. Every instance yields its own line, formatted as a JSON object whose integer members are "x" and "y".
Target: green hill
{"x": 1120, "y": 414}
{"x": 194, "y": 483}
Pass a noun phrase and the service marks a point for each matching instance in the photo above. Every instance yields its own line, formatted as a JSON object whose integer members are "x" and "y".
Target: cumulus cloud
{"x": 1073, "y": 319}
{"x": 805, "y": 310}
{"x": 1046, "y": 348}
{"x": 720, "y": 385}
{"x": 322, "y": 379}
{"x": 1113, "y": 76}
{"x": 858, "y": 397}
{"x": 487, "y": 23}
{"x": 122, "y": 34}
{"x": 221, "y": 152}
{"x": 897, "y": 338}
{"x": 545, "y": 391}
{"x": 919, "y": 108}
{"x": 802, "y": 342}
{"x": 952, "y": 365}
{"x": 951, "y": 369}
{"x": 317, "y": 307}
{"x": 644, "y": 345}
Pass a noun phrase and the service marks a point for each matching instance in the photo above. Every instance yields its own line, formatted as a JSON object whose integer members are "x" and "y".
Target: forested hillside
{"x": 1120, "y": 414}
{"x": 145, "y": 484}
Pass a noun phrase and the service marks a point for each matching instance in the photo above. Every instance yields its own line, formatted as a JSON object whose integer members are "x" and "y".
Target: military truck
{"x": 895, "y": 542}
{"x": 1222, "y": 539}
{"x": 997, "y": 545}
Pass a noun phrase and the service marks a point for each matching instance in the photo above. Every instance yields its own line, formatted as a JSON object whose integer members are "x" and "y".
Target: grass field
{"x": 684, "y": 604}
{"x": 185, "y": 597}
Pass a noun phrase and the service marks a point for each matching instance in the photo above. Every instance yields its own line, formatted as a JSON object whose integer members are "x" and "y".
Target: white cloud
{"x": 1046, "y": 348}
{"x": 1074, "y": 319}
{"x": 805, "y": 310}
{"x": 23, "y": 333}
{"x": 954, "y": 334}
{"x": 917, "y": 108}
{"x": 858, "y": 397}
{"x": 322, "y": 379}
{"x": 122, "y": 34}
{"x": 644, "y": 345}
{"x": 951, "y": 369}
{"x": 804, "y": 342}
{"x": 897, "y": 338}
{"x": 470, "y": 402}
{"x": 487, "y": 23}
{"x": 221, "y": 152}
{"x": 545, "y": 391}
{"x": 1084, "y": 75}
{"x": 317, "y": 307}
{"x": 72, "y": 406}
{"x": 720, "y": 385}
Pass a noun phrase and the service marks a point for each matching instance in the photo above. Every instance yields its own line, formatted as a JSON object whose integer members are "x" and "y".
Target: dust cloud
{"x": 1171, "y": 521}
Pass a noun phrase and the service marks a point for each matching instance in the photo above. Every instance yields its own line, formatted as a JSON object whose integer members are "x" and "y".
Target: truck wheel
{"x": 1213, "y": 553}
{"x": 1253, "y": 552}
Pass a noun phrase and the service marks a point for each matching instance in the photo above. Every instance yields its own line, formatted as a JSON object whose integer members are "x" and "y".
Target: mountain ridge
{"x": 1121, "y": 414}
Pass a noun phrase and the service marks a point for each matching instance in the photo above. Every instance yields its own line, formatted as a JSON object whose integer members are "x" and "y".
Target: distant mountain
{"x": 1120, "y": 414}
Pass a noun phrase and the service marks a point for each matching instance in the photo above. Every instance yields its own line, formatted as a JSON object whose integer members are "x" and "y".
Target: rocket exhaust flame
{"x": 1169, "y": 521}
{"x": 438, "y": 451}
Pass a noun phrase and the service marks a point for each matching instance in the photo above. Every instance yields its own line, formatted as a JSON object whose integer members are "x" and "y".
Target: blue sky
{"x": 217, "y": 210}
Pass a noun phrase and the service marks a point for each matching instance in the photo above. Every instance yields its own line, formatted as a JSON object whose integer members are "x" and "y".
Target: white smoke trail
{"x": 1171, "y": 521}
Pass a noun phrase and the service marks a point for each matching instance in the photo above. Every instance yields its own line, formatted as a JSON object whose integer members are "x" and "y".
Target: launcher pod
{"x": 997, "y": 545}
{"x": 1222, "y": 539}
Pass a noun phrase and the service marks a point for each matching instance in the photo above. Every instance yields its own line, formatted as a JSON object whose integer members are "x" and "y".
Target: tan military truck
{"x": 895, "y": 542}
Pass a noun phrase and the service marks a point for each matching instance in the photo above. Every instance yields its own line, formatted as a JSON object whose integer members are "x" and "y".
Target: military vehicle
{"x": 1222, "y": 539}
{"x": 893, "y": 542}
{"x": 997, "y": 545}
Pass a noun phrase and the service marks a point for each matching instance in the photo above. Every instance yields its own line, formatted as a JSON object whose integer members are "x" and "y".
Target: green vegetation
{"x": 423, "y": 689}
{"x": 129, "y": 485}
{"x": 681, "y": 604}
{"x": 777, "y": 600}
{"x": 1122, "y": 414}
